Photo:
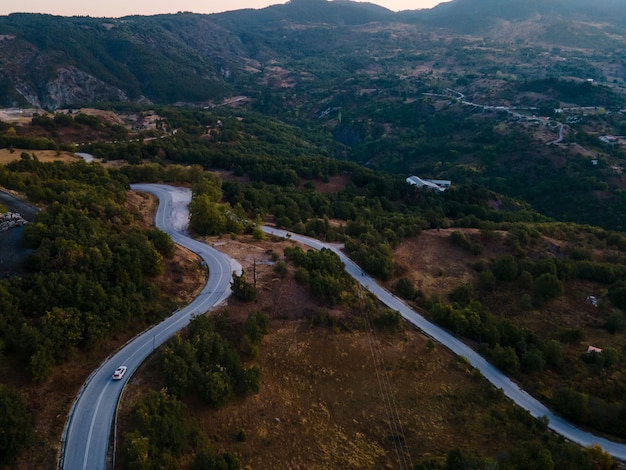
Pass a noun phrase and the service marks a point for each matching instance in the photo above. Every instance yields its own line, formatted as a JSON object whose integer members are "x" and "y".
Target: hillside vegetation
{"x": 310, "y": 116}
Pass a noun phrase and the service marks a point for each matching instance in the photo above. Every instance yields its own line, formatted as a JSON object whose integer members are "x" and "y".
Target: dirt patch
{"x": 433, "y": 263}
{"x": 333, "y": 185}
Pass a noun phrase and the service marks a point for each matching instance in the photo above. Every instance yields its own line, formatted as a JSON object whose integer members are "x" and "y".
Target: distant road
{"x": 493, "y": 375}
{"x": 89, "y": 425}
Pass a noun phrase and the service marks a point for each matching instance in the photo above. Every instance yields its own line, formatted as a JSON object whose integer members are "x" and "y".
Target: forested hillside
{"x": 520, "y": 106}
{"x": 310, "y": 116}
{"x": 282, "y": 174}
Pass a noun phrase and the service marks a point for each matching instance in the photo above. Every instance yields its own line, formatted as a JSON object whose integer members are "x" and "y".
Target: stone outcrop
{"x": 10, "y": 220}
{"x": 72, "y": 85}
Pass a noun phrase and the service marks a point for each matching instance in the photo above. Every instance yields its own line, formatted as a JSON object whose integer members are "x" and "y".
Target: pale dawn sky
{"x": 117, "y": 8}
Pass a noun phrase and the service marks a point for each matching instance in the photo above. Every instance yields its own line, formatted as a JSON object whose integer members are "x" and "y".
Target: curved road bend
{"x": 493, "y": 375}
{"x": 89, "y": 424}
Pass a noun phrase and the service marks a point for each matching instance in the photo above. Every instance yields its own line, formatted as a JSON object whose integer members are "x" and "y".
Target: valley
{"x": 308, "y": 117}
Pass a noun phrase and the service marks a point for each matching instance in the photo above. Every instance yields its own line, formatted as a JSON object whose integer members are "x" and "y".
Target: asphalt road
{"x": 86, "y": 438}
{"x": 26, "y": 210}
{"x": 493, "y": 375}
{"x": 89, "y": 425}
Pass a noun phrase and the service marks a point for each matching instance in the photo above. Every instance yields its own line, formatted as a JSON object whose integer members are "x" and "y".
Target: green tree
{"x": 242, "y": 289}
{"x": 257, "y": 231}
{"x": 505, "y": 358}
{"x": 162, "y": 242}
{"x": 462, "y": 294}
{"x": 389, "y": 320}
{"x": 487, "y": 281}
{"x": 205, "y": 216}
{"x": 505, "y": 268}
{"x": 404, "y": 288}
{"x": 547, "y": 286}
{"x": 209, "y": 185}
{"x": 256, "y": 326}
{"x": 532, "y": 360}
{"x": 571, "y": 403}
{"x": 617, "y": 294}
{"x": 209, "y": 460}
{"x": 281, "y": 269}
{"x": 553, "y": 353}
{"x": 326, "y": 287}
{"x": 600, "y": 459}
{"x": 16, "y": 432}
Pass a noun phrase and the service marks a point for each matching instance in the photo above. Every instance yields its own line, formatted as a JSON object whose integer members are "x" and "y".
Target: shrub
{"x": 505, "y": 268}
{"x": 487, "y": 281}
{"x": 404, "y": 288}
{"x": 546, "y": 287}
{"x": 280, "y": 268}
{"x": 462, "y": 294}
{"x": 388, "y": 320}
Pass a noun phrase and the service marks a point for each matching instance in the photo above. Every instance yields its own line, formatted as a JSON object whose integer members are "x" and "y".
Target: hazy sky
{"x": 117, "y": 8}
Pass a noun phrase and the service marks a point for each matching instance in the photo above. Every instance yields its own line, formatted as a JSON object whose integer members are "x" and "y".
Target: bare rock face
{"x": 46, "y": 80}
{"x": 72, "y": 85}
{"x": 68, "y": 87}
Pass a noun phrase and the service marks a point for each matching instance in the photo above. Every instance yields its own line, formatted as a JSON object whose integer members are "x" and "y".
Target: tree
{"x": 600, "y": 459}
{"x": 505, "y": 268}
{"x": 242, "y": 289}
{"x": 257, "y": 231}
{"x": 162, "y": 432}
{"x": 162, "y": 242}
{"x": 205, "y": 217}
{"x": 326, "y": 287}
{"x": 16, "y": 432}
{"x": 256, "y": 326}
{"x": 505, "y": 358}
{"x": 404, "y": 288}
{"x": 389, "y": 320}
{"x": 462, "y": 294}
{"x": 546, "y": 287}
{"x": 617, "y": 294}
{"x": 553, "y": 353}
{"x": 533, "y": 360}
{"x": 571, "y": 403}
{"x": 209, "y": 185}
{"x": 207, "y": 459}
{"x": 487, "y": 281}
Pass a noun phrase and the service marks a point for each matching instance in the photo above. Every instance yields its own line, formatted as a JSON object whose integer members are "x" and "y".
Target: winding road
{"x": 493, "y": 375}
{"x": 88, "y": 429}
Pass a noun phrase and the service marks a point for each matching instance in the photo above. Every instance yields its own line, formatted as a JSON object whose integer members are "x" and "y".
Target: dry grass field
{"x": 7, "y": 155}
{"x": 320, "y": 403}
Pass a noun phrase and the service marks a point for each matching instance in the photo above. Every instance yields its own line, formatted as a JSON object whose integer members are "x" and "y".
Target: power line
{"x": 386, "y": 392}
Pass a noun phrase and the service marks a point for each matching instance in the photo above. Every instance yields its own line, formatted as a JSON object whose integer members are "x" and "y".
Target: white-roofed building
{"x": 437, "y": 185}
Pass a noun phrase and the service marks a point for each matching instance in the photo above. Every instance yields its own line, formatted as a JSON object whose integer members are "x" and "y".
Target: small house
{"x": 593, "y": 349}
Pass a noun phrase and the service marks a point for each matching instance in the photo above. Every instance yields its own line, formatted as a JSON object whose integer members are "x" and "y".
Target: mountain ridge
{"x": 50, "y": 62}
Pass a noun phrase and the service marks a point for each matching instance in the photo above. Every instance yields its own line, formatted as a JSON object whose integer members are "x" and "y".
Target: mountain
{"x": 479, "y": 15}
{"x": 336, "y": 13}
{"x": 50, "y": 61}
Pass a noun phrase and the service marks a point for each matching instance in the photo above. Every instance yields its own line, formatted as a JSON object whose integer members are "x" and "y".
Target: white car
{"x": 119, "y": 372}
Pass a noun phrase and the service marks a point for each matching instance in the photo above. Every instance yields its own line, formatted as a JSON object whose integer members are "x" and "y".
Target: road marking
{"x": 93, "y": 422}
